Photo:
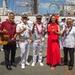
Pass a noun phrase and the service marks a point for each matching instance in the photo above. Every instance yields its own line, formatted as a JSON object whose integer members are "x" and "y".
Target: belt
{"x": 38, "y": 38}
{"x": 22, "y": 40}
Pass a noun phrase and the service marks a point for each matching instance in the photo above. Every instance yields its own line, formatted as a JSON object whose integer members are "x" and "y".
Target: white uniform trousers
{"x": 24, "y": 46}
{"x": 37, "y": 46}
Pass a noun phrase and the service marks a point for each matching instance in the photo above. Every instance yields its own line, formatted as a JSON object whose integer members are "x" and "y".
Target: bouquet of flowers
{"x": 4, "y": 39}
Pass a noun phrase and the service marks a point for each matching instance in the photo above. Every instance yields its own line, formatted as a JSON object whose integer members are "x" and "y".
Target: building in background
{"x": 68, "y": 9}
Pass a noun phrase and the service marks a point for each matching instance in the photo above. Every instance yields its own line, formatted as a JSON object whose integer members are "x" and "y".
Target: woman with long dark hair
{"x": 53, "y": 48}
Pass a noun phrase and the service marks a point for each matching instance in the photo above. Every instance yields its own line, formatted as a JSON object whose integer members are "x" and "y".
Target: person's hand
{"x": 34, "y": 23}
{"x": 12, "y": 39}
{"x": 24, "y": 28}
{"x": 31, "y": 41}
{"x": 65, "y": 30}
{"x": 5, "y": 31}
{"x": 54, "y": 31}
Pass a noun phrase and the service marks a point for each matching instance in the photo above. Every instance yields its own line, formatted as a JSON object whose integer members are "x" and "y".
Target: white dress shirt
{"x": 36, "y": 34}
{"x": 69, "y": 40}
{"x": 26, "y": 33}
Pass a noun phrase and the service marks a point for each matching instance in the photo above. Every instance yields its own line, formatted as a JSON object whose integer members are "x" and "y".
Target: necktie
{"x": 11, "y": 31}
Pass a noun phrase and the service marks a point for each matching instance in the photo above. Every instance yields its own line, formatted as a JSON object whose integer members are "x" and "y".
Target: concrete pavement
{"x": 36, "y": 70}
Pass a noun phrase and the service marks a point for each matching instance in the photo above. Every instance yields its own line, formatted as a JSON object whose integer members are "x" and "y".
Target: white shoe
{"x": 22, "y": 66}
{"x": 27, "y": 63}
{"x": 41, "y": 64}
{"x": 33, "y": 64}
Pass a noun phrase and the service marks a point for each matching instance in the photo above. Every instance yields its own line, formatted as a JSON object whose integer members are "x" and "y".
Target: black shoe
{"x": 8, "y": 67}
{"x": 62, "y": 64}
{"x": 70, "y": 67}
{"x": 13, "y": 64}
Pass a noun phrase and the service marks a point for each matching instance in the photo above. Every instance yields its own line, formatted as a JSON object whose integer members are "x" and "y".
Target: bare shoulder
{"x": 58, "y": 26}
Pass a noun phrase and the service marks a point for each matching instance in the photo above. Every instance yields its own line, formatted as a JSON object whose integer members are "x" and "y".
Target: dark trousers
{"x": 71, "y": 54}
{"x": 7, "y": 49}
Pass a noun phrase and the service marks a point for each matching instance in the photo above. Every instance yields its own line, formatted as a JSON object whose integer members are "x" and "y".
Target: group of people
{"x": 56, "y": 32}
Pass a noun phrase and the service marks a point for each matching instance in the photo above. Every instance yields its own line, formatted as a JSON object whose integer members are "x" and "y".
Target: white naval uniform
{"x": 30, "y": 24}
{"x": 24, "y": 46}
{"x": 62, "y": 27}
{"x": 38, "y": 44}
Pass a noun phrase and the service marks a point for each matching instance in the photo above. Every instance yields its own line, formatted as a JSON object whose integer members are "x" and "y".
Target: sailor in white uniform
{"x": 25, "y": 37}
{"x": 62, "y": 27}
{"x": 38, "y": 33}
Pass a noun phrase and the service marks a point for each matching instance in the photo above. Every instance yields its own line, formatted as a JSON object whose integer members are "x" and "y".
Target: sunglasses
{"x": 38, "y": 18}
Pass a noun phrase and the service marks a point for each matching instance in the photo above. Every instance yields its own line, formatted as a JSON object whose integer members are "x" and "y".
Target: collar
{"x": 9, "y": 22}
{"x": 24, "y": 23}
{"x": 68, "y": 27}
{"x": 53, "y": 24}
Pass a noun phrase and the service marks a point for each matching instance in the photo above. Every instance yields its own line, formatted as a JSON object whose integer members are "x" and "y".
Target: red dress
{"x": 53, "y": 48}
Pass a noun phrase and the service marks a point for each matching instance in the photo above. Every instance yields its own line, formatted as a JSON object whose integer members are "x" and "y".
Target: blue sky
{"x": 43, "y": 6}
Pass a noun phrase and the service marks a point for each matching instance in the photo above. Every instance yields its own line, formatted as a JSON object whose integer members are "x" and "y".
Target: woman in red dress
{"x": 53, "y": 48}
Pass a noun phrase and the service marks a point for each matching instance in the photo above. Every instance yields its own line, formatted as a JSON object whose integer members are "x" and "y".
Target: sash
{"x": 11, "y": 28}
{"x": 67, "y": 33}
{"x": 41, "y": 30}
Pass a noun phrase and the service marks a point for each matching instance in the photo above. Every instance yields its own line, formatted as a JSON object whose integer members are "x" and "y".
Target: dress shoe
{"x": 8, "y": 67}
{"x": 70, "y": 67}
{"x": 13, "y": 64}
{"x": 33, "y": 64}
{"x": 22, "y": 66}
{"x": 41, "y": 64}
{"x": 27, "y": 64}
{"x": 62, "y": 64}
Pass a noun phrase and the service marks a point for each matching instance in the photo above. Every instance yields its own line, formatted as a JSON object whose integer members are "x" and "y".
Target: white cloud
{"x": 44, "y": 5}
{"x": 56, "y": 0}
{"x": 52, "y": 9}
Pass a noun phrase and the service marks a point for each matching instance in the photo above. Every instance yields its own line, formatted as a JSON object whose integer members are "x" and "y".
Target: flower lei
{"x": 42, "y": 28}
